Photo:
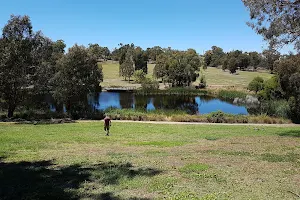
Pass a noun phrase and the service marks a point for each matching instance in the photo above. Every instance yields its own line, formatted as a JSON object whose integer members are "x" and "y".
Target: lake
{"x": 191, "y": 104}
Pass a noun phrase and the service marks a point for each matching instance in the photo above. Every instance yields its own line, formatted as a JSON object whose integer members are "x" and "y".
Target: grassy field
{"x": 148, "y": 161}
{"x": 111, "y": 75}
{"x": 215, "y": 77}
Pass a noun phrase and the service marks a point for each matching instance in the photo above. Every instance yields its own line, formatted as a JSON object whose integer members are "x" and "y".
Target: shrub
{"x": 139, "y": 76}
{"x": 149, "y": 84}
{"x": 216, "y": 117}
{"x": 202, "y": 82}
{"x": 256, "y": 85}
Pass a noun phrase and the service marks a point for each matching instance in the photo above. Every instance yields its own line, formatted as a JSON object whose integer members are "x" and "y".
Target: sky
{"x": 180, "y": 24}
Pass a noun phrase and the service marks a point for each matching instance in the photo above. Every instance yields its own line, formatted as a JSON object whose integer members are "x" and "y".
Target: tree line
{"x": 234, "y": 60}
{"x": 33, "y": 64}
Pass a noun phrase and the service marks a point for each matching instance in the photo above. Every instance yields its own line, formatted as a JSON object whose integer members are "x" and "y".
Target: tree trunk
{"x": 11, "y": 109}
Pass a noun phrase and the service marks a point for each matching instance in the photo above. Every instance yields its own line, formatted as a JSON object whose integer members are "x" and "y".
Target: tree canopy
{"x": 277, "y": 21}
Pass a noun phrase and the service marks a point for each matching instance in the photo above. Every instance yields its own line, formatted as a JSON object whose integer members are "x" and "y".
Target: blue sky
{"x": 179, "y": 24}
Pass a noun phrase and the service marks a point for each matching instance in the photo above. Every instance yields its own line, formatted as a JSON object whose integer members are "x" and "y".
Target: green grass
{"x": 217, "y": 77}
{"x": 194, "y": 168}
{"x": 111, "y": 75}
{"x": 148, "y": 161}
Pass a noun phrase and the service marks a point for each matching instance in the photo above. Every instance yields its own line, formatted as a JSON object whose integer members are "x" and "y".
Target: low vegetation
{"x": 181, "y": 116}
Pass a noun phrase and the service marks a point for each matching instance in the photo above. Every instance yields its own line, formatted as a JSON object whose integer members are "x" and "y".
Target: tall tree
{"x": 271, "y": 56}
{"x": 277, "y": 21}
{"x": 127, "y": 67}
{"x": 140, "y": 60}
{"x": 214, "y": 57}
{"x": 243, "y": 61}
{"x": 78, "y": 76}
{"x": 154, "y": 52}
{"x": 15, "y": 60}
{"x": 255, "y": 59}
{"x": 288, "y": 70}
{"x": 122, "y": 51}
{"x": 232, "y": 64}
{"x": 178, "y": 68}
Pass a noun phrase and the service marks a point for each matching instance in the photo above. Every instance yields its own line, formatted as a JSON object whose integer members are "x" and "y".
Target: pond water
{"x": 190, "y": 104}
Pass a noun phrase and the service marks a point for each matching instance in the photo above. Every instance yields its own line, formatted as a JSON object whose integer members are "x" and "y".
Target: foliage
{"x": 256, "y": 85}
{"x": 277, "y": 21}
{"x": 181, "y": 116}
{"x": 127, "y": 67}
{"x": 78, "y": 76}
{"x": 15, "y": 60}
{"x": 255, "y": 59}
{"x": 271, "y": 89}
{"x": 216, "y": 117}
{"x": 213, "y": 57}
{"x": 202, "y": 82}
{"x": 149, "y": 85}
{"x": 98, "y": 51}
{"x": 140, "y": 60}
{"x": 234, "y": 60}
{"x": 231, "y": 94}
{"x": 139, "y": 76}
{"x": 271, "y": 56}
{"x": 154, "y": 52}
{"x": 288, "y": 70}
{"x": 243, "y": 61}
{"x": 178, "y": 68}
{"x": 120, "y": 53}
{"x": 274, "y": 108}
{"x": 232, "y": 65}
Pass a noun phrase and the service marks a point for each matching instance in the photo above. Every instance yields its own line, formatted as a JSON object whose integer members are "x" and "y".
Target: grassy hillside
{"x": 148, "y": 161}
{"x": 215, "y": 77}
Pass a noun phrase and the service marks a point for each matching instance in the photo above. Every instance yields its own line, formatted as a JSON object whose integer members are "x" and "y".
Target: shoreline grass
{"x": 181, "y": 116}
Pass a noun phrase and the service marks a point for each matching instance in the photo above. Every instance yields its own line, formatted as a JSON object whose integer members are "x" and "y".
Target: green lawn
{"x": 148, "y": 161}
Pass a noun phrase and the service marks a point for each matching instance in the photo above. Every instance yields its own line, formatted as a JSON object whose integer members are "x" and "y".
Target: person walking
{"x": 107, "y": 124}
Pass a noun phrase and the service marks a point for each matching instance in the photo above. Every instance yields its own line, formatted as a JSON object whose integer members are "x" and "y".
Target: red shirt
{"x": 106, "y": 121}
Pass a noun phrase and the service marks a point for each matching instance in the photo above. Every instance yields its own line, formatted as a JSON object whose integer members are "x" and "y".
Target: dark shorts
{"x": 106, "y": 128}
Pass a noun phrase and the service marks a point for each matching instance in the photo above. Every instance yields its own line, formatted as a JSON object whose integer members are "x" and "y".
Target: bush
{"x": 139, "y": 76}
{"x": 256, "y": 85}
{"x": 276, "y": 108}
{"x": 149, "y": 84}
{"x": 202, "y": 82}
{"x": 295, "y": 109}
{"x": 216, "y": 117}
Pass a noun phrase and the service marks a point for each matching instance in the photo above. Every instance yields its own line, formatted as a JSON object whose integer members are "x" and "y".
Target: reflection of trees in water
{"x": 207, "y": 98}
{"x": 141, "y": 102}
{"x": 185, "y": 103}
{"x": 126, "y": 100}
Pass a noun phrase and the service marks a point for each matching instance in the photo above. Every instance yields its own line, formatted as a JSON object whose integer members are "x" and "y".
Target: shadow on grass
{"x": 44, "y": 180}
{"x": 293, "y": 133}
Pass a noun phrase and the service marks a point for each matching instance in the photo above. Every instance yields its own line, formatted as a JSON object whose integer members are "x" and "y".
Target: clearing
{"x": 149, "y": 161}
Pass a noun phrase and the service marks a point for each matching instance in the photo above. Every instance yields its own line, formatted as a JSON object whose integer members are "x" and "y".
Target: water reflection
{"x": 190, "y": 104}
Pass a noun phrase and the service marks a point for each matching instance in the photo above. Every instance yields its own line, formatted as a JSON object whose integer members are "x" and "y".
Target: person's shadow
{"x": 44, "y": 180}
